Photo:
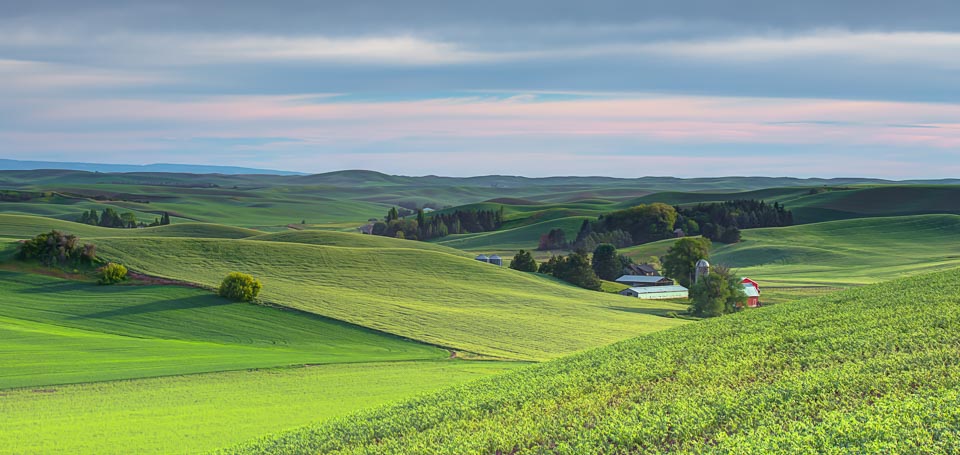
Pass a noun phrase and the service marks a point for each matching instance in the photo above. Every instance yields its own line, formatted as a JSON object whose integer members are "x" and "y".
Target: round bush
{"x": 240, "y": 286}
{"x": 112, "y": 273}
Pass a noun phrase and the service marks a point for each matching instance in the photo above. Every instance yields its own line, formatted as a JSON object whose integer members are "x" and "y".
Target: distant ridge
{"x": 39, "y": 171}
{"x": 17, "y": 165}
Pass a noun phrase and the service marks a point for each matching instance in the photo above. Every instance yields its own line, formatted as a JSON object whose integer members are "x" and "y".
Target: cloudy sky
{"x": 620, "y": 88}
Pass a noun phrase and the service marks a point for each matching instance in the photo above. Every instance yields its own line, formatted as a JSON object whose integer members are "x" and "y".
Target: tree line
{"x": 436, "y": 225}
{"x": 111, "y": 219}
{"x": 717, "y": 221}
{"x": 577, "y": 268}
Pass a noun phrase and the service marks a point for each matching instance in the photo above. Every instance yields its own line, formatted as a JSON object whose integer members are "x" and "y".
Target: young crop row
{"x": 872, "y": 370}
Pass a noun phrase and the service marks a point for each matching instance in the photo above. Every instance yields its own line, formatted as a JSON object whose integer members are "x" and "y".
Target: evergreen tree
{"x": 575, "y": 269}
{"x": 605, "y": 262}
{"x": 524, "y": 262}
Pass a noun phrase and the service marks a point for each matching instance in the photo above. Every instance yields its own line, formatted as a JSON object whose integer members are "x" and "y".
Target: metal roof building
{"x": 657, "y": 292}
{"x": 643, "y": 280}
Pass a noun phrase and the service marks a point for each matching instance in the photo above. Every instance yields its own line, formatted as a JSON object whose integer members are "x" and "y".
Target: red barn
{"x": 752, "y": 289}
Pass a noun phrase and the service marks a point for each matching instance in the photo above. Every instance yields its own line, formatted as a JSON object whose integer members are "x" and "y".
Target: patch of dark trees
{"x": 425, "y": 226}
{"x": 111, "y": 219}
{"x": 718, "y": 221}
{"x": 721, "y": 222}
{"x": 21, "y": 196}
{"x": 57, "y": 248}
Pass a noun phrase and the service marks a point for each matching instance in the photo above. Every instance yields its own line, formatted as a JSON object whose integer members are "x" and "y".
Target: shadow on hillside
{"x": 53, "y": 288}
{"x": 651, "y": 311}
{"x": 187, "y": 303}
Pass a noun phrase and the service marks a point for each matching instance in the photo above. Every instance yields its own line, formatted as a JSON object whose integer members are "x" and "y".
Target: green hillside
{"x": 353, "y": 240}
{"x": 512, "y": 239}
{"x": 869, "y": 370}
{"x": 837, "y": 253}
{"x": 430, "y": 296}
{"x": 56, "y": 331}
{"x": 24, "y": 226}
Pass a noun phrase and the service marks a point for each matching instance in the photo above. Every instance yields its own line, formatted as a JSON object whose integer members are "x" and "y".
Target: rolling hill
{"x": 869, "y": 370}
{"x": 434, "y": 297}
{"x": 25, "y": 226}
{"x": 837, "y": 253}
{"x": 57, "y": 331}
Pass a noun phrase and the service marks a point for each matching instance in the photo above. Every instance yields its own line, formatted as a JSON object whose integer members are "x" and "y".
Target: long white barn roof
{"x": 658, "y": 289}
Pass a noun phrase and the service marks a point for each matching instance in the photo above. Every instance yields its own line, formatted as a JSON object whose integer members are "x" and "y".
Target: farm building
{"x": 644, "y": 281}
{"x": 752, "y": 289}
{"x": 642, "y": 269}
{"x": 657, "y": 292}
{"x": 492, "y": 259}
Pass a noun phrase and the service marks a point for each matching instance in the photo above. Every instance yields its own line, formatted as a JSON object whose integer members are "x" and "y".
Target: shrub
{"x": 240, "y": 286}
{"x": 112, "y": 273}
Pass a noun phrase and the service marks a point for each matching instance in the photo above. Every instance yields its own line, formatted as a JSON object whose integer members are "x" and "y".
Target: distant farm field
{"x": 837, "y": 253}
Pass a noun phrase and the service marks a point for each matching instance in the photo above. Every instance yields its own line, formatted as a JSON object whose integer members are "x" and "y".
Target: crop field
{"x": 509, "y": 240}
{"x": 872, "y": 369}
{"x": 438, "y": 298}
{"x": 199, "y": 413}
{"x": 837, "y": 253}
{"x": 22, "y": 227}
{"x": 57, "y": 331}
{"x": 368, "y": 344}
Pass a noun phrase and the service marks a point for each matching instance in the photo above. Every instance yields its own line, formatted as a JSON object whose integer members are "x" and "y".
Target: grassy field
{"x": 26, "y": 226}
{"x": 508, "y": 240}
{"x": 198, "y": 413}
{"x": 837, "y": 253}
{"x": 57, "y": 331}
{"x": 438, "y": 298}
{"x": 870, "y": 370}
{"x": 352, "y": 240}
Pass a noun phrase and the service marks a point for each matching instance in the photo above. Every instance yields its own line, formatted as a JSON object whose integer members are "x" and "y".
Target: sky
{"x": 683, "y": 88}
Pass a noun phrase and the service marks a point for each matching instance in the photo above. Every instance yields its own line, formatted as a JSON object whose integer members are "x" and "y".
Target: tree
{"x": 110, "y": 218}
{"x": 392, "y": 214}
{"x": 680, "y": 262}
{"x": 89, "y": 217}
{"x": 730, "y": 235}
{"x": 554, "y": 240}
{"x": 717, "y": 293}
{"x": 550, "y": 266}
{"x": 240, "y": 286}
{"x": 165, "y": 219}
{"x": 128, "y": 220}
{"x": 112, "y": 273}
{"x": 605, "y": 262}
{"x": 56, "y": 248}
{"x": 575, "y": 269}
{"x": 524, "y": 262}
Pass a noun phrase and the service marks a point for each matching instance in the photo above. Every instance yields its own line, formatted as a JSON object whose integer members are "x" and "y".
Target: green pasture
{"x": 57, "y": 331}
{"x": 198, "y": 413}
{"x": 837, "y": 253}
{"x": 431, "y": 296}
{"x": 868, "y": 370}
